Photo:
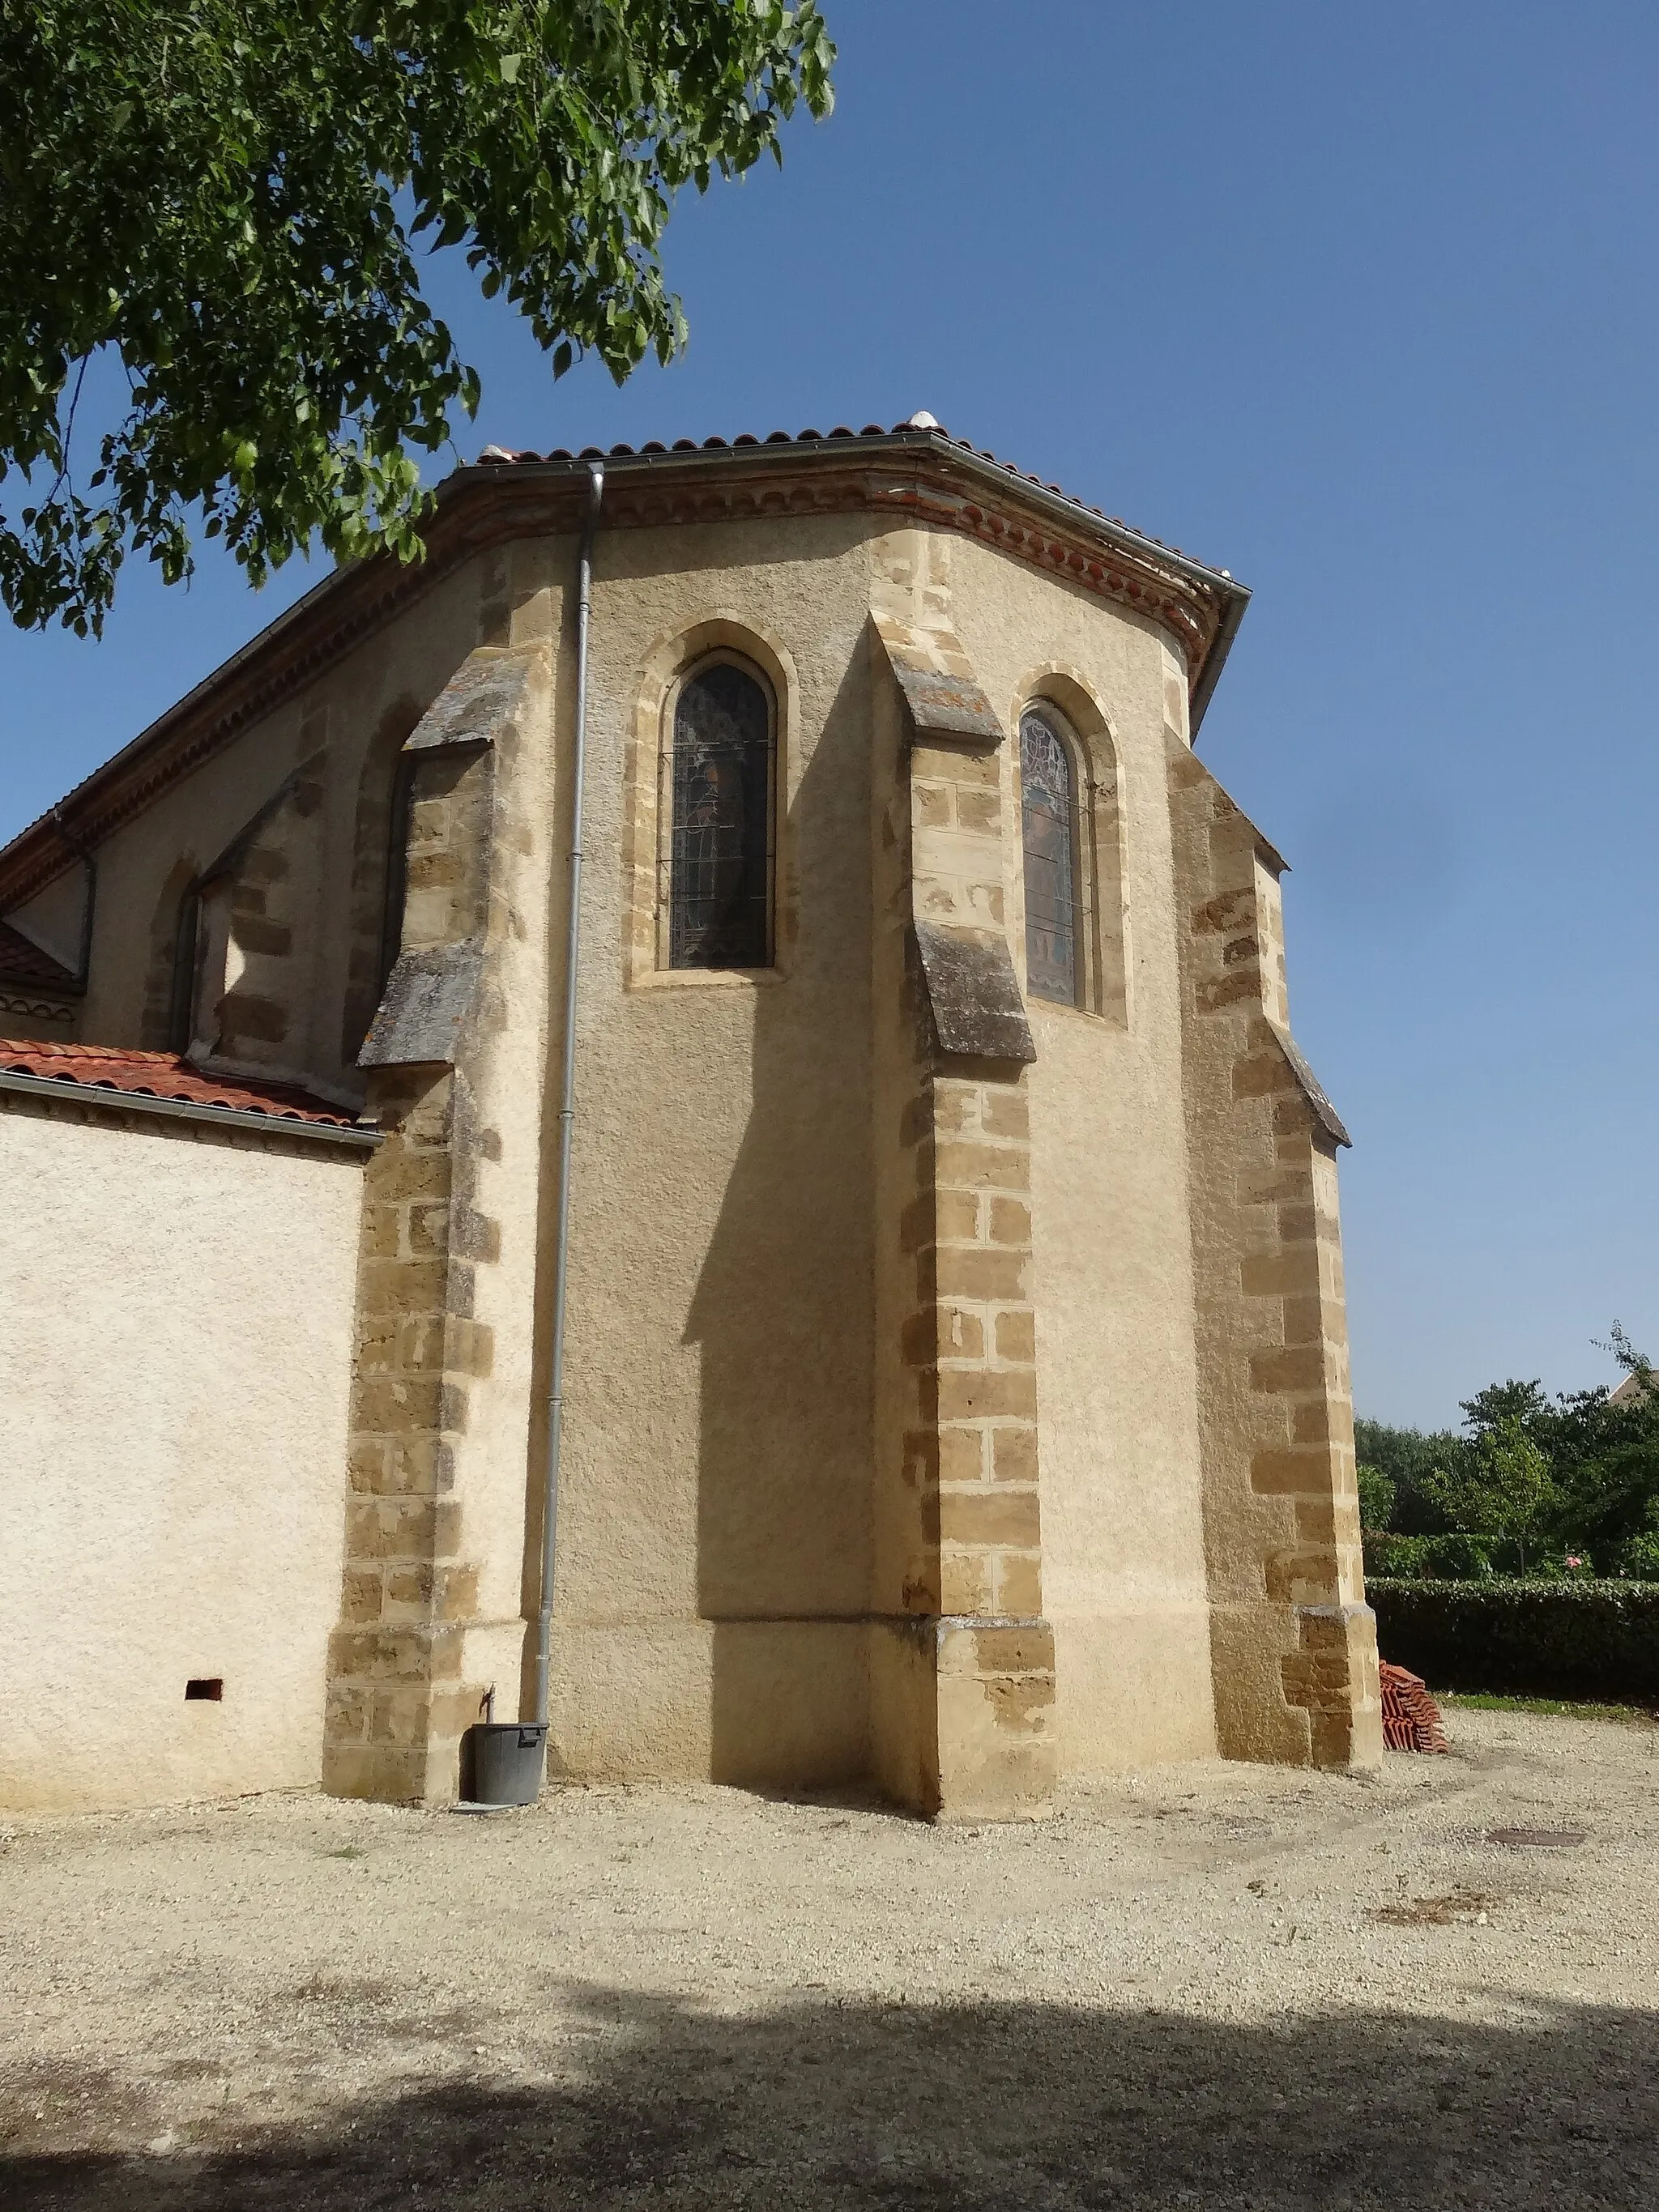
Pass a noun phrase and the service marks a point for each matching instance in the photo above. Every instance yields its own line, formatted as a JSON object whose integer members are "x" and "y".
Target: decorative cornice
{"x": 33, "y": 1007}
{"x": 919, "y": 476}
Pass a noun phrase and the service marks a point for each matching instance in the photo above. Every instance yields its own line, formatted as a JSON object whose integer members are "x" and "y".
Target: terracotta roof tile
{"x": 1411, "y": 1718}
{"x": 498, "y": 456}
{"x": 23, "y": 962}
{"x": 164, "y": 1075}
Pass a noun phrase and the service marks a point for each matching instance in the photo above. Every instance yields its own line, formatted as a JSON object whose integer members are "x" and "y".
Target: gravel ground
{"x": 1216, "y": 1984}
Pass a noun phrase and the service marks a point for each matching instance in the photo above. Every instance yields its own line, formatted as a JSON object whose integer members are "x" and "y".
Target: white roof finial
{"x": 921, "y": 420}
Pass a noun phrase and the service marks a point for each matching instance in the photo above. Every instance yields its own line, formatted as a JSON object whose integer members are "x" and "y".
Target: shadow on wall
{"x": 783, "y": 1314}
{"x": 991, "y": 2105}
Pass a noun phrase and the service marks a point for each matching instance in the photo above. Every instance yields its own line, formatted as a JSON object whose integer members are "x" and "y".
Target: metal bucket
{"x": 505, "y": 1757}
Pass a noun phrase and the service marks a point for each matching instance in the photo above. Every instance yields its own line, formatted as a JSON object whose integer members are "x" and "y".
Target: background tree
{"x": 1376, "y": 1496}
{"x": 1406, "y": 1458}
{"x": 1606, "y": 1455}
{"x": 1522, "y": 1402}
{"x": 1499, "y": 1486}
{"x": 225, "y": 196}
{"x": 1578, "y": 1472}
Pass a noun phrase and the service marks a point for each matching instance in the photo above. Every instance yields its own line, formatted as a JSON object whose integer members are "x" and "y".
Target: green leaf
{"x": 232, "y": 194}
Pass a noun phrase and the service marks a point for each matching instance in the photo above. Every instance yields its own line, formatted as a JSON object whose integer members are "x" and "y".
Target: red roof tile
{"x": 164, "y": 1075}
{"x": 1411, "y": 1718}
{"x": 23, "y": 962}
{"x": 497, "y": 456}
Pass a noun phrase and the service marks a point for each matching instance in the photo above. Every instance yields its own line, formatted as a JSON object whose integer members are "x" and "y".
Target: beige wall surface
{"x": 51, "y": 919}
{"x": 718, "y": 1443}
{"x": 1122, "y": 1536}
{"x": 176, "y": 1330}
{"x": 715, "y": 1503}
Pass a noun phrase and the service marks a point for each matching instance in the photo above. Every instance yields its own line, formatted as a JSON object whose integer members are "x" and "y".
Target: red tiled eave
{"x": 497, "y": 456}
{"x": 165, "y": 1075}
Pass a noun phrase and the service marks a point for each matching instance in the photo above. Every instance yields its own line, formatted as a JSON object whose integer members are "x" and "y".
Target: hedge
{"x": 1597, "y": 1641}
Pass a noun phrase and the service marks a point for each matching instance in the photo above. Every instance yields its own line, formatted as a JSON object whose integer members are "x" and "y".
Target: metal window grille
{"x": 720, "y": 860}
{"x": 1050, "y": 914}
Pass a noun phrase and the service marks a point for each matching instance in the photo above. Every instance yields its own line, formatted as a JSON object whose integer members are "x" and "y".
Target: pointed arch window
{"x": 723, "y": 834}
{"x": 1049, "y": 780}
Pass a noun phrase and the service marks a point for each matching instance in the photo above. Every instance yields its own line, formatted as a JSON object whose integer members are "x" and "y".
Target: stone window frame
{"x": 1098, "y": 860}
{"x": 648, "y": 799}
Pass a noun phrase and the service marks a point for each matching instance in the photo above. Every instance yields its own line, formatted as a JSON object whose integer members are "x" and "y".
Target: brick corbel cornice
{"x": 920, "y": 477}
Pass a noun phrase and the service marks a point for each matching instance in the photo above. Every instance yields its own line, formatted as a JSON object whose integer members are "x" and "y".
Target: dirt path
{"x": 1220, "y": 1985}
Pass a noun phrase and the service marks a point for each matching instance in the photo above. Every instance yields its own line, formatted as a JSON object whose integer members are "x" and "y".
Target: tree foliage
{"x": 1406, "y": 1458}
{"x": 228, "y": 198}
{"x": 1376, "y": 1496}
{"x": 1578, "y": 1472}
{"x": 1499, "y": 1485}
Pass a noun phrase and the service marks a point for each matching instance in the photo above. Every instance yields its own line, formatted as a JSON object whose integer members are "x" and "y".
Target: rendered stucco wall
{"x": 714, "y": 1548}
{"x": 1123, "y": 1565}
{"x": 175, "y": 1331}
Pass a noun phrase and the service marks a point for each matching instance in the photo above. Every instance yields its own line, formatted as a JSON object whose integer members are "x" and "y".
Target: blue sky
{"x": 1362, "y": 304}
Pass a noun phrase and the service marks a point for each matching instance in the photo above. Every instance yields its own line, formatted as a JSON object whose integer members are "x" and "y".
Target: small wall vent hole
{"x": 209, "y": 1686}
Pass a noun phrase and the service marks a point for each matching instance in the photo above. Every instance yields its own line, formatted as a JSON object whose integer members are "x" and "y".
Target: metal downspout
{"x": 567, "y": 1093}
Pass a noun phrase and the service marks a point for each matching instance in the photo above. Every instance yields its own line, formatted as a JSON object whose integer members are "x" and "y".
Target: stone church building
{"x": 956, "y": 1398}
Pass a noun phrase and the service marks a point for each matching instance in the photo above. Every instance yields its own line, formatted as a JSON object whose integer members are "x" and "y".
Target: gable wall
{"x": 143, "y": 865}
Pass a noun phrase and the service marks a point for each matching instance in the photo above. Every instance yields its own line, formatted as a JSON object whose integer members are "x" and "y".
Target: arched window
{"x": 720, "y": 850}
{"x": 379, "y": 872}
{"x": 170, "y": 971}
{"x": 1051, "y": 937}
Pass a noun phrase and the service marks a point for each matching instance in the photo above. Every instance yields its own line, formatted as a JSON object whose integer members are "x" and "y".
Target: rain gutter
{"x": 246, "y": 1118}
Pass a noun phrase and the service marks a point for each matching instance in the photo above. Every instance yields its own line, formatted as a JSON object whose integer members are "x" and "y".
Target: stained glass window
{"x": 719, "y": 861}
{"x": 1050, "y": 918}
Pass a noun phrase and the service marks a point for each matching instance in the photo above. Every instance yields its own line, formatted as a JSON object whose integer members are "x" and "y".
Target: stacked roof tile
{"x": 164, "y": 1075}
{"x": 1411, "y": 1718}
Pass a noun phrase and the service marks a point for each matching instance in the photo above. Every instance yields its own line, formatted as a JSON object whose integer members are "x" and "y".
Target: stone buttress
{"x": 1293, "y": 1644}
{"x": 963, "y": 1663}
{"x": 432, "y": 1612}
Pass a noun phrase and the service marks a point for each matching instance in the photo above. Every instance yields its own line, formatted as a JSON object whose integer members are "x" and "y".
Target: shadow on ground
{"x": 971, "y": 2106}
